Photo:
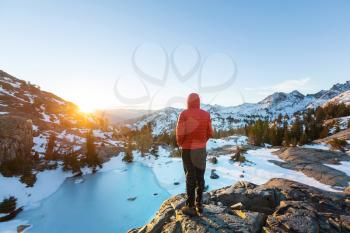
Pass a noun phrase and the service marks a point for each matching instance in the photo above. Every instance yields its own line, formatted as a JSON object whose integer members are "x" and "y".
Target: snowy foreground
{"x": 168, "y": 172}
{"x": 257, "y": 170}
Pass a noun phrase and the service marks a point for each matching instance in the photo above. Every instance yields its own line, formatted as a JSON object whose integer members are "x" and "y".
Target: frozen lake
{"x": 99, "y": 204}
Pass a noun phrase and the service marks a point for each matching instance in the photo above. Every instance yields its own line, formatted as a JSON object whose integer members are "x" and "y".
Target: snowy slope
{"x": 224, "y": 118}
{"x": 342, "y": 98}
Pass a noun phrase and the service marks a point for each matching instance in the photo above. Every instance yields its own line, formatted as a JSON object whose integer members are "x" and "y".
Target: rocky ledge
{"x": 313, "y": 163}
{"x": 279, "y": 205}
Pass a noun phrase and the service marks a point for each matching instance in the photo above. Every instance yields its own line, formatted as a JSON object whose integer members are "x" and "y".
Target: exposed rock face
{"x": 312, "y": 163}
{"x": 344, "y": 135}
{"x": 278, "y": 206}
{"x": 16, "y": 137}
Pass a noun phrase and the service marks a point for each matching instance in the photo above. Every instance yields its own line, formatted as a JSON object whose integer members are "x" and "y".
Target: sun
{"x": 87, "y": 108}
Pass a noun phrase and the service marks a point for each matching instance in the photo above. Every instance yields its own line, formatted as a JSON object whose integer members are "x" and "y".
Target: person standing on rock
{"x": 192, "y": 133}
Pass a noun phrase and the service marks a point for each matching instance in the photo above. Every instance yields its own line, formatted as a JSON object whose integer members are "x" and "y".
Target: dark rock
{"x": 11, "y": 215}
{"x": 22, "y": 228}
{"x": 213, "y": 175}
{"x": 213, "y": 160}
{"x": 277, "y": 206}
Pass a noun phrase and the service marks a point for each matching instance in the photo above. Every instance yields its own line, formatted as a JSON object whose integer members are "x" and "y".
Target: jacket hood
{"x": 193, "y": 101}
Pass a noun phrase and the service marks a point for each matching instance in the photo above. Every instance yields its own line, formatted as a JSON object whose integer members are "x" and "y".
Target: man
{"x": 192, "y": 133}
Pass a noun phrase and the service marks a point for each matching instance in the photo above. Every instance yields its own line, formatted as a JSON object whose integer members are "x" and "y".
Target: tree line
{"x": 299, "y": 129}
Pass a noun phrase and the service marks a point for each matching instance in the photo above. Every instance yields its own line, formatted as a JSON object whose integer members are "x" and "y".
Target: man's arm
{"x": 210, "y": 129}
{"x": 180, "y": 129}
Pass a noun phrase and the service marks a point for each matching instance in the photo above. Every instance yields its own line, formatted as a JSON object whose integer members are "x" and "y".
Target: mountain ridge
{"x": 230, "y": 117}
{"x": 162, "y": 120}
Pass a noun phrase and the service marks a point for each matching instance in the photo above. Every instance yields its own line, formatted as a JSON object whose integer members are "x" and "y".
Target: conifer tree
{"x": 128, "y": 157}
{"x": 92, "y": 158}
{"x": 324, "y": 132}
{"x": 303, "y": 139}
{"x": 286, "y": 134}
{"x": 296, "y": 131}
{"x": 50, "y": 149}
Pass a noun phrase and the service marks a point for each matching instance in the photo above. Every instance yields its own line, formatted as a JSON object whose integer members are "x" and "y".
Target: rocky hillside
{"x": 16, "y": 137}
{"x": 225, "y": 118}
{"x": 47, "y": 115}
{"x": 46, "y": 110}
{"x": 342, "y": 98}
{"x": 277, "y": 206}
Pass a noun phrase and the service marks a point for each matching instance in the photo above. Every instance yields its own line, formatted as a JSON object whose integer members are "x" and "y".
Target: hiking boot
{"x": 188, "y": 210}
{"x": 199, "y": 209}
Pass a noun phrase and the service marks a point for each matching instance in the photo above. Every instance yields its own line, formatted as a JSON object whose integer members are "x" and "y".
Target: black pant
{"x": 194, "y": 162}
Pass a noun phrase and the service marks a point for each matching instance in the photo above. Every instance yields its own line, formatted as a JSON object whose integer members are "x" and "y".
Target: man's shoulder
{"x": 183, "y": 112}
{"x": 202, "y": 112}
{"x": 205, "y": 112}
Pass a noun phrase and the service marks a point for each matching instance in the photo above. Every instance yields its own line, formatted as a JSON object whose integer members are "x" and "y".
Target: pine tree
{"x": 70, "y": 162}
{"x": 324, "y": 132}
{"x": 273, "y": 135}
{"x": 296, "y": 131}
{"x": 144, "y": 139}
{"x": 92, "y": 158}
{"x": 50, "y": 149}
{"x": 303, "y": 139}
{"x": 128, "y": 157}
{"x": 337, "y": 129}
{"x": 286, "y": 134}
{"x": 154, "y": 150}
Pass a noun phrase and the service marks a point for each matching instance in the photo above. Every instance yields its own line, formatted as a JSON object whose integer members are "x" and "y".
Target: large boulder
{"x": 16, "y": 138}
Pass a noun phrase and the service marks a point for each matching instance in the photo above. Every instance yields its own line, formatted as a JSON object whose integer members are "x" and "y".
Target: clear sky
{"x": 79, "y": 49}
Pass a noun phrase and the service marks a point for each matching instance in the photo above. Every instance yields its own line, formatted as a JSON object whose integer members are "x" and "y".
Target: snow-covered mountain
{"x": 224, "y": 118}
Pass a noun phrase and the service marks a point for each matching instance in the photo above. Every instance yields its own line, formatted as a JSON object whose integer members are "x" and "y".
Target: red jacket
{"x": 194, "y": 125}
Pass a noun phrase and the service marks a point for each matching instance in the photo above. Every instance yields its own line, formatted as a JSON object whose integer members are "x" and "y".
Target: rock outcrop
{"x": 277, "y": 206}
{"x": 16, "y": 138}
{"x": 312, "y": 162}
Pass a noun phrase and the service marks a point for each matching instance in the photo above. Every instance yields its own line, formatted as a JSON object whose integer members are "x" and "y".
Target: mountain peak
{"x": 296, "y": 93}
{"x": 341, "y": 86}
{"x": 279, "y": 97}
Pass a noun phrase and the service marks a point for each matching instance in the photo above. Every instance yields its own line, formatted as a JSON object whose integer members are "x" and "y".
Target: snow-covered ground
{"x": 167, "y": 171}
{"x": 29, "y": 197}
{"x": 258, "y": 169}
{"x": 229, "y": 141}
{"x": 344, "y": 166}
{"x": 321, "y": 146}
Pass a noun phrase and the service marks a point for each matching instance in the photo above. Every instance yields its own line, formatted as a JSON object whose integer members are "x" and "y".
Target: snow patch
{"x": 321, "y": 146}
{"x": 344, "y": 166}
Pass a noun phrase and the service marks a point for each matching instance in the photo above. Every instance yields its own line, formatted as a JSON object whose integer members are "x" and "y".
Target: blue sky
{"x": 79, "y": 49}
